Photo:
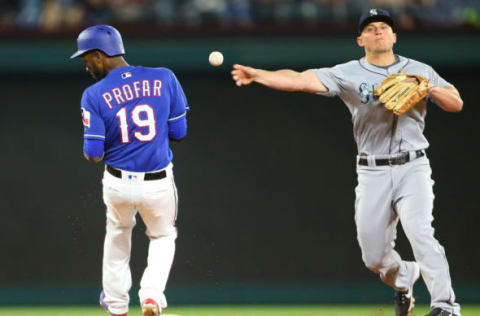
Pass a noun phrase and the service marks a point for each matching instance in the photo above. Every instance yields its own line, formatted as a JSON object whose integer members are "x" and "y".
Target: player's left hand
{"x": 401, "y": 92}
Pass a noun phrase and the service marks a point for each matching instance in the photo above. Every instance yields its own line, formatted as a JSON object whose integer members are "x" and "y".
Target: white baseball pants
{"x": 156, "y": 201}
{"x": 386, "y": 195}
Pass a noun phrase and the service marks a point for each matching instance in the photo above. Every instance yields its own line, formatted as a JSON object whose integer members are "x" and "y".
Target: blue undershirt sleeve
{"x": 93, "y": 147}
{"x": 177, "y": 129}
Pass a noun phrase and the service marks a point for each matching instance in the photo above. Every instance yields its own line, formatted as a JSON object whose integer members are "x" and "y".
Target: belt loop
{"x": 371, "y": 161}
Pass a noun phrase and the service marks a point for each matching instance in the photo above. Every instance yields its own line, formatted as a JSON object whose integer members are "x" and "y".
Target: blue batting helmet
{"x": 102, "y": 37}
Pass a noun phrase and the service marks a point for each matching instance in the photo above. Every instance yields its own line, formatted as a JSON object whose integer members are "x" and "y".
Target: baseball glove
{"x": 401, "y": 92}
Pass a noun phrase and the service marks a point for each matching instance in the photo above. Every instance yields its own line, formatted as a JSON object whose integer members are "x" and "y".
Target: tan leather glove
{"x": 401, "y": 92}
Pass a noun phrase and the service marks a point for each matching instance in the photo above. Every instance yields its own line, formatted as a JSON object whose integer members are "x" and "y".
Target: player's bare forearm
{"x": 447, "y": 98}
{"x": 289, "y": 80}
{"x": 285, "y": 79}
{"x": 93, "y": 159}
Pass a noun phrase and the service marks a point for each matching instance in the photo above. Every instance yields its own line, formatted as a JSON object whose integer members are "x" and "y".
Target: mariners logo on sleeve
{"x": 86, "y": 118}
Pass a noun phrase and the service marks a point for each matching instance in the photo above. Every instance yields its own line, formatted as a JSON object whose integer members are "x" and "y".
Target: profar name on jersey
{"x": 133, "y": 90}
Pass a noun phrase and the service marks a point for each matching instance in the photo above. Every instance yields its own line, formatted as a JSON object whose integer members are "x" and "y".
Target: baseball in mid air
{"x": 215, "y": 58}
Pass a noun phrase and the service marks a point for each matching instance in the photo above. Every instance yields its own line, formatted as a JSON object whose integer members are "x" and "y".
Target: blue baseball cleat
{"x": 105, "y": 306}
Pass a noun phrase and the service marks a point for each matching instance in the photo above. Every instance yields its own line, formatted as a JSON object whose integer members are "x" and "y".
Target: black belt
{"x": 399, "y": 160}
{"x": 148, "y": 176}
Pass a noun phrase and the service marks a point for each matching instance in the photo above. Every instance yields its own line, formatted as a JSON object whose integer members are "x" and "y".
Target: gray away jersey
{"x": 377, "y": 130}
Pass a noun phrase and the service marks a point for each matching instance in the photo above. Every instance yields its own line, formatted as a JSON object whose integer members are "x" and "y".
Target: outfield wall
{"x": 191, "y": 53}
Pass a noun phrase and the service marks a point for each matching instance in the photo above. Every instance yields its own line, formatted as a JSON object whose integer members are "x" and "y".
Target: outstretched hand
{"x": 243, "y": 75}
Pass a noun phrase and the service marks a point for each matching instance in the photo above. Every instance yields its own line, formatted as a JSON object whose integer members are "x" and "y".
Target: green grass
{"x": 243, "y": 310}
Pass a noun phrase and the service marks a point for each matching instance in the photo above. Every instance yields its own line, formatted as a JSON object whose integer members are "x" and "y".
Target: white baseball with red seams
{"x": 215, "y": 58}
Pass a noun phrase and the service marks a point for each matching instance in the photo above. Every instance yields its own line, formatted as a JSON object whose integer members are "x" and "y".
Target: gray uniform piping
{"x": 394, "y": 127}
{"x": 396, "y": 117}
{"x": 378, "y": 73}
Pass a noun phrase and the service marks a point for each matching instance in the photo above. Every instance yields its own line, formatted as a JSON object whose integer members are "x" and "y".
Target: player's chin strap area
{"x": 396, "y": 160}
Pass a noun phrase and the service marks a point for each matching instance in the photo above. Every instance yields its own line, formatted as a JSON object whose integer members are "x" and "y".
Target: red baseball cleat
{"x": 150, "y": 308}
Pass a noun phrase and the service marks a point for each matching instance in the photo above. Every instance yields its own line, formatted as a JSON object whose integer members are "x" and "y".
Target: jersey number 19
{"x": 148, "y": 121}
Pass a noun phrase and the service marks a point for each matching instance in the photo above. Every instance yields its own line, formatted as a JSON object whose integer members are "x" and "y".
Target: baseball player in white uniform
{"x": 394, "y": 175}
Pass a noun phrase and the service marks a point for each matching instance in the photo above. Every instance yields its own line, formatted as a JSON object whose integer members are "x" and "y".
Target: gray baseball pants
{"x": 386, "y": 195}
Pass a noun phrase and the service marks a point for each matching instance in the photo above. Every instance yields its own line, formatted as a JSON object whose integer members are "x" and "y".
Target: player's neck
{"x": 381, "y": 59}
{"x": 116, "y": 62}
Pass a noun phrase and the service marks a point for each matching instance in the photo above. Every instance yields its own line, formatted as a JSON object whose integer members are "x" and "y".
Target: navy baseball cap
{"x": 374, "y": 15}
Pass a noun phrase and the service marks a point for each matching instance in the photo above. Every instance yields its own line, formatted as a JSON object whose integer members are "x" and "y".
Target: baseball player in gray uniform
{"x": 394, "y": 175}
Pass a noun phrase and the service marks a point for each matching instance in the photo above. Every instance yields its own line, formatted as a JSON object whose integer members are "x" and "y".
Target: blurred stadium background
{"x": 53, "y": 15}
{"x": 266, "y": 179}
